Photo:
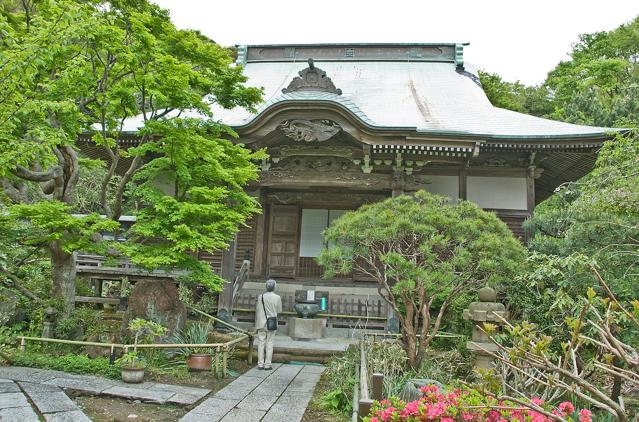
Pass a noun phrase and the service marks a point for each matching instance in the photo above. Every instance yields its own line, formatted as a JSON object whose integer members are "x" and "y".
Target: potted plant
{"x": 197, "y": 358}
{"x": 132, "y": 364}
{"x": 132, "y": 367}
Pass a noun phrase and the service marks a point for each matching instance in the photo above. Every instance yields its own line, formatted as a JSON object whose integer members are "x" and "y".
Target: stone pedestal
{"x": 306, "y": 328}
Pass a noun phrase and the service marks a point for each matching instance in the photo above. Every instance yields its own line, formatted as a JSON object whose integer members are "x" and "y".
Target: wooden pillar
{"x": 259, "y": 258}
{"x": 225, "y": 299}
{"x": 463, "y": 192}
{"x": 378, "y": 387}
{"x": 530, "y": 188}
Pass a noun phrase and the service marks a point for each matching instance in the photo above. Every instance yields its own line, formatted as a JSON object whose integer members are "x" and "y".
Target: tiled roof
{"x": 427, "y": 97}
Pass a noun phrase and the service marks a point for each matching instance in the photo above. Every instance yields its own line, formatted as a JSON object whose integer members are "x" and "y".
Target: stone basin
{"x": 306, "y": 310}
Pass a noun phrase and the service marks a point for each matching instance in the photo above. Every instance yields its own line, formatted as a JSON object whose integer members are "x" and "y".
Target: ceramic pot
{"x": 199, "y": 362}
{"x": 132, "y": 375}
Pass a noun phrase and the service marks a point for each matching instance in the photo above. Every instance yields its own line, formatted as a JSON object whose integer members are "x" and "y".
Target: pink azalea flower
{"x": 567, "y": 408}
{"x": 537, "y": 400}
{"x": 585, "y": 415}
{"x": 467, "y": 416}
{"x": 374, "y": 419}
{"x": 447, "y": 419}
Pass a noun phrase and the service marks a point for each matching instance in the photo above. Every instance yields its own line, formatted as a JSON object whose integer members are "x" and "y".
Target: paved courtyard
{"x": 280, "y": 395}
{"x": 26, "y": 393}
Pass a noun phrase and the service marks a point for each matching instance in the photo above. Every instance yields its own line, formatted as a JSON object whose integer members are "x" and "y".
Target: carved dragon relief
{"x": 309, "y": 130}
{"x": 312, "y": 79}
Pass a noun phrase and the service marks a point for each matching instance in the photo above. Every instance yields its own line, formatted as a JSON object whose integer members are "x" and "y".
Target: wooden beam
{"x": 91, "y": 299}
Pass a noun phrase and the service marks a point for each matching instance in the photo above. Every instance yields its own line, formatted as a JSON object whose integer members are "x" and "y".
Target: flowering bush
{"x": 467, "y": 405}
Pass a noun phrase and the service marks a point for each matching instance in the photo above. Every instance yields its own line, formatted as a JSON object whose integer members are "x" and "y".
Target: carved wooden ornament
{"x": 309, "y": 130}
{"x": 312, "y": 79}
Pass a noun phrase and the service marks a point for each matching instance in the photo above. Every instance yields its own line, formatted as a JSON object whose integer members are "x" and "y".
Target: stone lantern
{"x": 486, "y": 310}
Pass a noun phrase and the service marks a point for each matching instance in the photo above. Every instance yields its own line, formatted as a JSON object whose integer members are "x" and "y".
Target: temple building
{"x": 348, "y": 124}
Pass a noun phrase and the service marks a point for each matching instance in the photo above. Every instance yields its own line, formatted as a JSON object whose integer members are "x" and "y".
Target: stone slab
{"x": 30, "y": 387}
{"x": 281, "y": 412}
{"x": 183, "y": 399}
{"x": 239, "y": 388}
{"x": 88, "y": 385}
{"x": 180, "y": 389}
{"x": 51, "y": 402}
{"x": 244, "y": 415}
{"x": 18, "y": 373}
{"x": 133, "y": 393}
{"x": 72, "y": 416}
{"x": 212, "y": 408}
{"x": 313, "y": 369}
{"x": 18, "y": 414}
{"x": 257, "y": 402}
{"x": 9, "y": 387}
{"x": 254, "y": 372}
{"x": 8, "y": 400}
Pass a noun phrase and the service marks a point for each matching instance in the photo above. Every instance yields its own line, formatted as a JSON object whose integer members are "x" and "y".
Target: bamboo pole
{"x": 219, "y": 321}
{"x": 217, "y": 362}
{"x": 225, "y": 355}
{"x": 23, "y": 340}
{"x": 23, "y": 344}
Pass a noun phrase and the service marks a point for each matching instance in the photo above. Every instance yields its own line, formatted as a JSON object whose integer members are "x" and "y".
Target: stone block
{"x": 139, "y": 394}
{"x": 243, "y": 415}
{"x": 9, "y": 387}
{"x": 306, "y": 328}
{"x": 72, "y": 416}
{"x": 282, "y": 412}
{"x": 52, "y": 402}
{"x": 257, "y": 402}
{"x": 214, "y": 406}
{"x": 30, "y": 387}
{"x": 87, "y": 385}
{"x": 8, "y": 400}
{"x": 21, "y": 414}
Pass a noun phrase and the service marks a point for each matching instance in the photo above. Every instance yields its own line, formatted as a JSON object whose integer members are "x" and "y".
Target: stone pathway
{"x": 23, "y": 390}
{"x": 280, "y": 395}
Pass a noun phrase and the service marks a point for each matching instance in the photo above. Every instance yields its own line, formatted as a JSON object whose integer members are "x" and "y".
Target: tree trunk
{"x": 64, "y": 271}
{"x": 410, "y": 346}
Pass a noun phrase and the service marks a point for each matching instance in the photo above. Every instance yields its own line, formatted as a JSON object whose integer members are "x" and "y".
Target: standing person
{"x": 268, "y": 305}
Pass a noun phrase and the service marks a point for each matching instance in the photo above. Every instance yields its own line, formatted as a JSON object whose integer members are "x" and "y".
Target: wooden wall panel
{"x": 245, "y": 242}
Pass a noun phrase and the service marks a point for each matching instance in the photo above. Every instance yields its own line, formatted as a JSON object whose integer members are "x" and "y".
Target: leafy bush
{"x": 389, "y": 358}
{"x": 196, "y": 333}
{"x": 470, "y": 405}
{"x": 84, "y": 321}
{"x": 72, "y": 363}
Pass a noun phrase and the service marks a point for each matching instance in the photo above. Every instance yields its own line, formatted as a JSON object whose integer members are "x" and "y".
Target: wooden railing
{"x": 100, "y": 265}
{"x": 241, "y": 277}
{"x": 220, "y": 358}
{"x": 363, "y": 397}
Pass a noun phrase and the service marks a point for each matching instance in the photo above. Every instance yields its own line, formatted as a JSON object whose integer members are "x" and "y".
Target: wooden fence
{"x": 220, "y": 357}
{"x": 343, "y": 311}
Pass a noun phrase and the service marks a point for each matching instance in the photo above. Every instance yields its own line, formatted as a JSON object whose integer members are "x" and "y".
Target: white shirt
{"x": 273, "y": 305}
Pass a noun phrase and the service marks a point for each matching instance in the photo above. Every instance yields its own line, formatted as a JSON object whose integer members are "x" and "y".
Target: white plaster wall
{"x": 443, "y": 185}
{"x": 497, "y": 192}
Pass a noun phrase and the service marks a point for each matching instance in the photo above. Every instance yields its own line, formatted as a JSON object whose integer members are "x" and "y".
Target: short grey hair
{"x": 270, "y": 285}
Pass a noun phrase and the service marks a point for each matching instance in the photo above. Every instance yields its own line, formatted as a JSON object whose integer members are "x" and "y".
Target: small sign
{"x": 310, "y": 295}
